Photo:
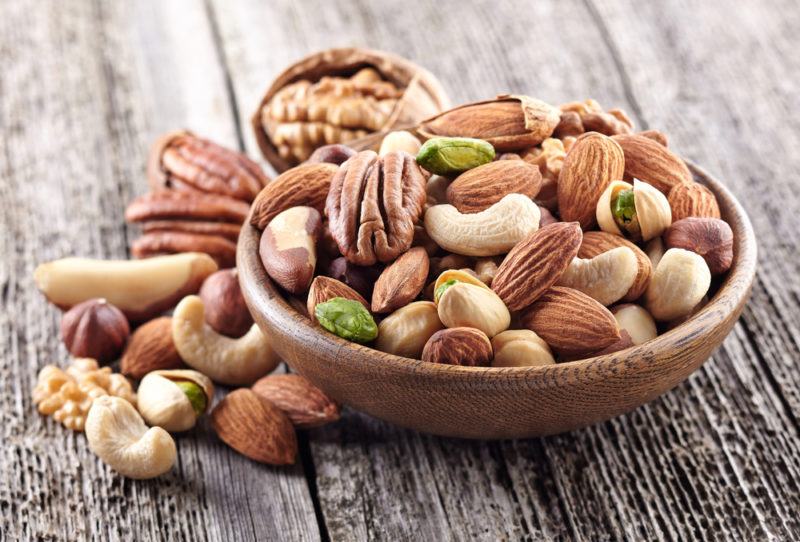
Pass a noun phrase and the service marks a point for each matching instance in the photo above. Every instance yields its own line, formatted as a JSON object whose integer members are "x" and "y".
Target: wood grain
{"x": 717, "y": 457}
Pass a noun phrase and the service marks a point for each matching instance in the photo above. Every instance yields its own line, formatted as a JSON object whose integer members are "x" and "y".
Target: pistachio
{"x": 406, "y": 330}
{"x": 174, "y": 400}
{"x": 468, "y": 305}
{"x": 453, "y": 276}
{"x": 520, "y": 348}
{"x": 399, "y": 141}
{"x": 638, "y": 211}
{"x": 346, "y": 318}
{"x": 449, "y": 155}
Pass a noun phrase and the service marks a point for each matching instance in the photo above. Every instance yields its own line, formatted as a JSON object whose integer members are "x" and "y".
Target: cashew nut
{"x": 606, "y": 278}
{"x": 118, "y": 435}
{"x": 636, "y": 321}
{"x": 406, "y": 330}
{"x": 490, "y": 232}
{"x": 520, "y": 348}
{"x": 227, "y": 361}
{"x": 467, "y": 305}
{"x": 679, "y": 283}
{"x": 174, "y": 400}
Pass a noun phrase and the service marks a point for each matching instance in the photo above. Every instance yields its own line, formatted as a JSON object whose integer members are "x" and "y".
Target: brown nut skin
{"x": 331, "y": 154}
{"x": 324, "y": 289}
{"x": 711, "y": 238}
{"x": 692, "y": 199}
{"x": 95, "y": 329}
{"x": 255, "y": 428}
{"x": 306, "y": 184}
{"x": 225, "y": 308}
{"x": 288, "y": 248}
{"x": 373, "y": 204}
{"x": 359, "y": 278}
{"x": 401, "y": 282}
{"x": 459, "y": 346}
{"x": 479, "y": 188}
{"x": 151, "y": 349}
{"x": 306, "y": 405}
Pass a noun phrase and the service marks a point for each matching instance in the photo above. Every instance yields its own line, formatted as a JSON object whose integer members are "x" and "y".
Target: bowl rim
{"x": 731, "y": 294}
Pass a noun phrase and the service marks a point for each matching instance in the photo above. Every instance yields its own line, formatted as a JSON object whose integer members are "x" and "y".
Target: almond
{"x": 656, "y": 135}
{"x": 479, "y": 188}
{"x": 692, "y": 199}
{"x": 652, "y": 162}
{"x": 571, "y": 322}
{"x": 536, "y": 263}
{"x": 305, "y": 404}
{"x": 508, "y": 122}
{"x": 597, "y": 242}
{"x": 288, "y": 248}
{"x": 325, "y": 288}
{"x": 255, "y": 428}
{"x": 401, "y": 282}
{"x": 459, "y": 346}
{"x": 591, "y": 164}
{"x": 304, "y": 185}
{"x": 150, "y": 348}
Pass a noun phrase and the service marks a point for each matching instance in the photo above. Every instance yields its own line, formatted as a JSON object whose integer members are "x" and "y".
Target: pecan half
{"x": 373, "y": 204}
{"x": 171, "y": 242}
{"x": 175, "y": 204}
{"x": 223, "y": 229}
{"x": 182, "y": 158}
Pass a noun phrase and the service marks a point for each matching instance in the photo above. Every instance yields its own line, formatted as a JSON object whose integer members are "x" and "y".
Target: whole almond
{"x": 651, "y": 162}
{"x": 479, "y": 188}
{"x": 325, "y": 288}
{"x": 288, "y": 247}
{"x": 508, "y": 122}
{"x": 656, "y": 135}
{"x": 150, "y": 348}
{"x": 305, "y": 404}
{"x": 571, "y": 322}
{"x": 401, "y": 282}
{"x": 255, "y": 428}
{"x": 536, "y": 263}
{"x": 459, "y": 346}
{"x": 692, "y": 199}
{"x": 304, "y": 185}
{"x": 597, "y": 242}
{"x": 591, "y": 164}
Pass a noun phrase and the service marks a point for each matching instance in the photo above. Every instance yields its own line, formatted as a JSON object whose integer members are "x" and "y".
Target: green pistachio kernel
{"x": 195, "y": 394}
{"x": 623, "y": 208}
{"x": 437, "y": 295}
{"x": 347, "y": 318}
{"x": 450, "y": 155}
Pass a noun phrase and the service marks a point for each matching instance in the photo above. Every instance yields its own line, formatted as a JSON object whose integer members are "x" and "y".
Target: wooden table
{"x": 85, "y": 86}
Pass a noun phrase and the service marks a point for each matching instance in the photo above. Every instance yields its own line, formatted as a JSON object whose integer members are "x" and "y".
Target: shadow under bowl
{"x": 499, "y": 403}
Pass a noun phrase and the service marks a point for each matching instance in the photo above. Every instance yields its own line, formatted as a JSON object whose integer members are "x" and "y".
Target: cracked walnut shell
{"x": 67, "y": 395}
{"x": 373, "y": 205}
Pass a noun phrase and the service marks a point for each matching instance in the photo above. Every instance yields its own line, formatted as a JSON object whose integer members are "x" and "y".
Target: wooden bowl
{"x": 495, "y": 403}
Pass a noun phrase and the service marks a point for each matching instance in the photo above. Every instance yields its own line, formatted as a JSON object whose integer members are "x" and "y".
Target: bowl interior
{"x": 504, "y": 402}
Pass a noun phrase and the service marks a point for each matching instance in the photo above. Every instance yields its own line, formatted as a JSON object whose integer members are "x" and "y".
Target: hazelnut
{"x": 226, "y": 310}
{"x": 331, "y": 154}
{"x": 359, "y": 278}
{"x": 95, "y": 329}
{"x": 459, "y": 346}
{"x": 711, "y": 238}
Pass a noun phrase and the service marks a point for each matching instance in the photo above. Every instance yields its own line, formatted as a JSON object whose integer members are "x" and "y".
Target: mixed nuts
{"x": 502, "y": 233}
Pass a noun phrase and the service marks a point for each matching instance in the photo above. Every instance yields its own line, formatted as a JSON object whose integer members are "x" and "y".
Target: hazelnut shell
{"x": 225, "y": 308}
{"x": 95, "y": 329}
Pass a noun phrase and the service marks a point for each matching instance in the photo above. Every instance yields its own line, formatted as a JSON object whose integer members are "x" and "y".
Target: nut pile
{"x": 507, "y": 232}
{"x": 201, "y": 194}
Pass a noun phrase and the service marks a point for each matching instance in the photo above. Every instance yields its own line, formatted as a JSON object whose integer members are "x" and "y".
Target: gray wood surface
{"x": 84, "y": 88}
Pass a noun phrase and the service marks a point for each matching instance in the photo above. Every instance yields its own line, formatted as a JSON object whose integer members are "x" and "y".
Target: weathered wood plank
{"x": 717, "y": 457}
{"x": 84, "y": 89}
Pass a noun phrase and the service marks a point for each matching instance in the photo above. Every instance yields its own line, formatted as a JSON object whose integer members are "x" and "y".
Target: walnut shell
{"x": 420, "y": 96}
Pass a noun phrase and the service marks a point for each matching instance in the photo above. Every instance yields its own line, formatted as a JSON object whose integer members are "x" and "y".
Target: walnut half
{"x": 373, "y": 205}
